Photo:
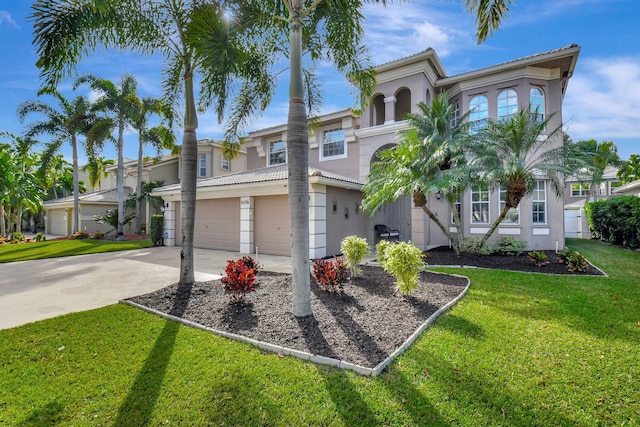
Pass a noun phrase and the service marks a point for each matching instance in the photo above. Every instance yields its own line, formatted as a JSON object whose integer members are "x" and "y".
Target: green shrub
{"x": 381, "y": 248}
{"x": 157, "y": 229}
{"x": 40, "y": 237}
{"x": 564, "y": 254}
{"x": 330, "y": 275}
{"x": 615, "y": 220}
{"x": 403, "y": 261}
{"x": 18, "y": 236}
{"x": 576, "y": 262}
{"x": 472, "y": 245}
{"x": 510, "y": 246}
{"x": 539, "y": 258}
{"x": 354, "y": 248}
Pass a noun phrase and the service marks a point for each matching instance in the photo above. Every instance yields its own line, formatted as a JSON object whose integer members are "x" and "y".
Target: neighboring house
{"x": 577, "y": 193}
{"x": 211, "y": 161}
{"x": 248, "y": 211}
{"x": 629, "y": 189}
{"x": 59, "y": 212}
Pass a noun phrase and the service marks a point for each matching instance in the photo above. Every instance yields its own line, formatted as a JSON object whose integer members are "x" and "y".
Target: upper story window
{"x": 536, "y": 104}
{"x": 478, "y": 113}
{"x": 579, "y": 190}
{"x": 333, "y": 144}
{"x": 202, "y": 165}
{"x": 377, "y": 110}
{"x": 513, "y": 215}
{"x": 480, "y": 204}
{"x": 225, "y": 164}
{"x": 507, "y": 104}
{"x": 403, "y": 104}
{"x": 539, "y": 206}
{"x": 277, "y": 153}
{"x": 455, "y": 119}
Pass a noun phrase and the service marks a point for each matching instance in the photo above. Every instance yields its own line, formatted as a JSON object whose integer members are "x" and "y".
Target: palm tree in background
{"x": 160, "y": 136}
{"x": 62, "y": 40}
{"x": 516, "y": 153}
{"x": 630, "y": 169}
{"x": 598, "y": 155}
{"x": 96, "y": 169}
{"x": 66, "y": 124}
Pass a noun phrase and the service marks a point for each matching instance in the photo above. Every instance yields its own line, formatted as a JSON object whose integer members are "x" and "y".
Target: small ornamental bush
{"x": 576, "y": 262}
{"x": 381, "y": 248}
{"x": 354, "y": 248}
{"x": 472, "y": 245}
{"x": 80, "y": 235}
{"x": 330, "y": 275}
{"x": 564, "y": 254}
{"x": 239, "y": 280}
{"x": 98, "y": 235}
{"x": 510, "y": 246}
{"x": 403, "y": 261}
{"x": 539, "y": 258}
{"x": 40, "y": 237}
{"x": 18, "y": 236}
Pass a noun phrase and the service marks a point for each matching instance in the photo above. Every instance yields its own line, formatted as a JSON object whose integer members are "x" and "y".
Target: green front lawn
{"x": 518, "y": 350}
{"x": 60, "y": 248}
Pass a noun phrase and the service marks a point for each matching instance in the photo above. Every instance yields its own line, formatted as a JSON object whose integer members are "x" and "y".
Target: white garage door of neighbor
{"x": 272, "y": 227}
{"x": 58, "y": 222}
{"x": 218, "y": 224}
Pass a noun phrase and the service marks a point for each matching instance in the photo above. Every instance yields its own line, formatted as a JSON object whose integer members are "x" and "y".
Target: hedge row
{"x": 616, "y": 220}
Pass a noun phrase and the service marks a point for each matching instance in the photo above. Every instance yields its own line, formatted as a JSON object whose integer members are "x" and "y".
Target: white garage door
{"x": 218, "y": 224}
{"x": 272, "y": 227}
{"x": 57, "y": 219}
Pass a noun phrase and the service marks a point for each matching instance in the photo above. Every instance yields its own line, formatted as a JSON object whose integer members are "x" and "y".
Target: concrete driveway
{"x": 36, "y": 290}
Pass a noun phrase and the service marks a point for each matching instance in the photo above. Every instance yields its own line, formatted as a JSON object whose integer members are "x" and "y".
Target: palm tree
{"x": 428, "y": 160}
{"x": 148, "y": 27}
{"x": 116, "y": 100}
{"x": 160, "y": 136}
{"x": 597, "y": 156}
{"x": 66, "y": 124}
{"x": 513, "y": 153}
{"x": 630, "y": 169}
{"x": 96, "y": 168}
{"x": 7, "y": 180}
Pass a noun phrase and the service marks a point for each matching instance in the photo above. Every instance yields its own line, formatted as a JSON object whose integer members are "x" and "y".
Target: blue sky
{"x": 602, "y": 100}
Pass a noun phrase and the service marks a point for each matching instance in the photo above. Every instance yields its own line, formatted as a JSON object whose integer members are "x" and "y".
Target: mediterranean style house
{"x": 246, "y": 210}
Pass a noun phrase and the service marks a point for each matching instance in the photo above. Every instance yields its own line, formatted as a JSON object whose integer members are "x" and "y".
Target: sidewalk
{"x": 36, "y": 290}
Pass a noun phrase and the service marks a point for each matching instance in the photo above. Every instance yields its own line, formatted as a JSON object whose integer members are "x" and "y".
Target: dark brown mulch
{"x": 445, "y": 256}
{"x": 364, "y": 325}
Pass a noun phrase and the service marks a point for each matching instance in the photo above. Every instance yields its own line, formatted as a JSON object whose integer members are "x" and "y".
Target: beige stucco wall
{"x": 346, "y": 220}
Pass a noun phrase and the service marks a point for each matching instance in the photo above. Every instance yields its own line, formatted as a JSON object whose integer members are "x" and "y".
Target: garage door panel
{"x": 217, "y": 224}
{"x": 272, "y": 226}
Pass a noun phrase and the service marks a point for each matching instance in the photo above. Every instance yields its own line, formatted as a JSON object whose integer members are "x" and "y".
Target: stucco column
{"x": 317, "y": 221}
{"x": 247, "y": 244}
{"x": 389, "y": 109}
{"x": 170, "y": 224}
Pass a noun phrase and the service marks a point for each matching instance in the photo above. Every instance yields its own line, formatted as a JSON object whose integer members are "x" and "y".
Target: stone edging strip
{"x": 315, "y": 358}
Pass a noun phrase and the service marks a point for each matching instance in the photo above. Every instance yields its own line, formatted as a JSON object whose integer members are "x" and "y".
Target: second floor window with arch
{"x": 507, "y": 104}
{"x": 478, "y": 113}
{"x": 536, "y": 104}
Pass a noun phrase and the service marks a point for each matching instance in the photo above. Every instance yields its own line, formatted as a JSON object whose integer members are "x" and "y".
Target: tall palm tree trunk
{"x": 188, "y": 180}
{"x": 76, "y": 185}
{"x": 298, "y": 161}
{"x": 139, "y": 187}
{"x": 3, "y": 224}
{"x": 120, "y": 173}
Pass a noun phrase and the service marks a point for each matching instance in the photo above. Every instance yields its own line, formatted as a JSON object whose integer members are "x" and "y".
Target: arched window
{"x": 507, "y": 104}
{"x": 377, "y": 110}
{"x": 403, "y": 104}
{"x": 536, "y": 104}
{"x": 478, "y": 113}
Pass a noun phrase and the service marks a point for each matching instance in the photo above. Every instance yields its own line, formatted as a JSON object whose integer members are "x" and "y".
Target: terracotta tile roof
{"x": 271, "y": 173}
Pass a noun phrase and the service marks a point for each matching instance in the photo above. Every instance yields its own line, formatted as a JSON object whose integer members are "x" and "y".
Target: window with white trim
{"x": 455, "y": 119}
{"x": 507, "y": 104}
{"x": 458, "y": 208}
{"x": 536, "y": 104}
{"x": 225, "y": 164}
{"x": 513, "y": 215}
{"x": 579, "y": 190}
{"x": 478, "y": 113}
{"x": 277, "y": 153}
{"x": 333, "y": 144}
{"x": 202, "y": 169}
{"x": 480, "y": 204}
{"x": 539, "y": 200}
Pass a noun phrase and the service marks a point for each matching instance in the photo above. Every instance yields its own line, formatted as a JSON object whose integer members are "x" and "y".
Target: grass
{"x": 519, "y": 350}
{"x": 61, "y": 248}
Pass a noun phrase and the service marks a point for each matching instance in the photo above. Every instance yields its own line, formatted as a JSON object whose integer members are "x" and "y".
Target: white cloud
{"x": 603, "y": 99}
{"x": 5, "y": 18}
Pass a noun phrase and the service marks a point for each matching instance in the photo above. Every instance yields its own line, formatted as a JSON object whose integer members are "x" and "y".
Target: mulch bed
{"x": 445, "y": 256}
{"x": 363, "y": 326}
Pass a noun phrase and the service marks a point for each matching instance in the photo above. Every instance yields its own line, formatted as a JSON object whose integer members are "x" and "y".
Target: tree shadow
{"x": 48, "y": 415}
{"x": 239, "y": 317}
{"x": 137, "y": 407}
{"x": 461, "y": 326}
